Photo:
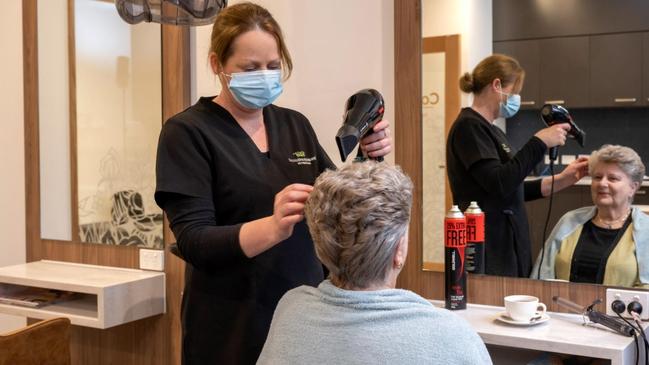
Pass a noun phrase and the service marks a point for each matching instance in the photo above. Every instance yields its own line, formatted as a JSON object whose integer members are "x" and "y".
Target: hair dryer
{"x": 597, "y": 317}
{"x": 175, "y": 12}
{"x": 555, "y": 114}
{"x": 362, "y": 111}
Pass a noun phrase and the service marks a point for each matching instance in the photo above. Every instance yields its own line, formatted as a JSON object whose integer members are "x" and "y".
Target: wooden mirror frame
{"x": 449, "y": 45}
{"x": 122, "y": 344}
{"x": 482, "y": 289}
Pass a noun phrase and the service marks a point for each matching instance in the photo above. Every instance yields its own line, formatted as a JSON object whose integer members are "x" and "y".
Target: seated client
{"x": 358, "y": 217}
{"x": 607, "y": 243}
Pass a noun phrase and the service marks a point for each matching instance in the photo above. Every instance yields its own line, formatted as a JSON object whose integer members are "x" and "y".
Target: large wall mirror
{"x": 96, "y": 93}
{"x": 615, "y": 118}
{"x": 100, "y": 113}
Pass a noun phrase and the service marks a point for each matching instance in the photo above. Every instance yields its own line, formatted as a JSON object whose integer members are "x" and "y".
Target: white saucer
{"x": 503, "y": 317}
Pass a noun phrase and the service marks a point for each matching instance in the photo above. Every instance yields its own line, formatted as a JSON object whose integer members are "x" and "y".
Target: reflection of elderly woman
{"x": 358, "y": 217}
{"x": 608, "y": 243}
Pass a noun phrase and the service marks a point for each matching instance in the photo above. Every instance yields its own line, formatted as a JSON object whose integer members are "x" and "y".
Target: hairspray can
{"x": 474, "y": 239}
{"x": 455, "y": 270}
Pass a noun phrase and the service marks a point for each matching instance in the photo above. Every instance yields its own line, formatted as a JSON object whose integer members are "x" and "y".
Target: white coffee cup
{"x": 523, "y": 308}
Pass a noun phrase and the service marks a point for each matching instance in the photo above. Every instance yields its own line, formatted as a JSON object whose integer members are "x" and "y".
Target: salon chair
{"x": 44, "y": 342}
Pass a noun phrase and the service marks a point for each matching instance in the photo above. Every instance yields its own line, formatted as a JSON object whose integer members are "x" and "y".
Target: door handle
{"x": 558, "y": 102}
{"x": 625, "y": 100}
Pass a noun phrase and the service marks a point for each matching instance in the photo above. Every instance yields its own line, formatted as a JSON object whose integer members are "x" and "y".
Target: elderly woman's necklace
{"x": 610, "y": 224}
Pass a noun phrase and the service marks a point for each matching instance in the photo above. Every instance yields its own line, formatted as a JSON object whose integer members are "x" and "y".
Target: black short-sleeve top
{"x": 203, "y": 152}
{"x": 473, "y": 139}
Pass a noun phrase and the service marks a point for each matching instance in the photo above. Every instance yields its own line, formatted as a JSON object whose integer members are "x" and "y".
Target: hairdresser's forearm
{"x": 560, "y": 182}
{"x": 258, "y": 236}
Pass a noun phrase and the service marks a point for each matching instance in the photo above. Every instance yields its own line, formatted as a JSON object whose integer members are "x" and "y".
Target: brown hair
{"x": 496, "y": 66}
{"x": 240, "y": 18}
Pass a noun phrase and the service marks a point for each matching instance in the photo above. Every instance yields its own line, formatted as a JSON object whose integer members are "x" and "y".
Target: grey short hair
{"x": 624, "y": 157}
{"x": 357, "y": 215}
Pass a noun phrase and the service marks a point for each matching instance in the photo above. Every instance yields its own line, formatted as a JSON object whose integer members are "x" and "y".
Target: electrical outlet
{"x": 627, "y": 296}
{"x": 152, "y": 259}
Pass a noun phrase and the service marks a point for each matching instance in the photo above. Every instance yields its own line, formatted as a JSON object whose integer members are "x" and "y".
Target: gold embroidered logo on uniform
{"x": 300, "y": 158}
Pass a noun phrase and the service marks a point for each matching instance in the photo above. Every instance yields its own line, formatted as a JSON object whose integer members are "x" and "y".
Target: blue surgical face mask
{"x": 256, "y": 89}
{"x": 510, "y": 107}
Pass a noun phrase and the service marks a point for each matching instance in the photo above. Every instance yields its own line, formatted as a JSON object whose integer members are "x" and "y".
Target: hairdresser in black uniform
{"x": 233, "y": 173}
{"x": 483, "y": 167}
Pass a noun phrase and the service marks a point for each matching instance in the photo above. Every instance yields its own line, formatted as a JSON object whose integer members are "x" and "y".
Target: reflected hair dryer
{"x": 556, "y": 114}
{"x": 362, "y": 111}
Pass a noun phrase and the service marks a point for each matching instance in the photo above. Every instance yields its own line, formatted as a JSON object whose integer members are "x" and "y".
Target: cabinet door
{"x": 516, "y": 19}
{"x": 616, "y": 70}
{"x": 642, "y": 196}
{"x": 645, "y": 68}
{"x": 564, "y": 68}
{"x": 527, "y": 54}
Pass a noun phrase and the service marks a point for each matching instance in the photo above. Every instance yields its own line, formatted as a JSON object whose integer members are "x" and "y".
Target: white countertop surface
{"x": 563, "y": 333}
{"x": 71, "y": 276}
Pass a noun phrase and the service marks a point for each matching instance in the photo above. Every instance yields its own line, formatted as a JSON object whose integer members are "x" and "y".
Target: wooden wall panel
{"x": 154, "y": 340}
{"x": 176, "y": 96}
{"x": 30, "y": 87}
{"x": 407, "y": 89}
{"x": 481, "y": 289}
{"x": 72, "y": 99}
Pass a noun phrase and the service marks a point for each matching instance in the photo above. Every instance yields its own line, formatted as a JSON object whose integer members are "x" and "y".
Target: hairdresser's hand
{"x": 575, "y": 171}
{"x": 261, "y": 234}
{"x": 554, "y": 135}
{"x": 288, "y": 209}
{"x": 568, "y": 177}
{"x": 378, "y": 143}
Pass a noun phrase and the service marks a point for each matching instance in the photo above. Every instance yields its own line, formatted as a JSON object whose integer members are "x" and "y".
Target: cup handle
{"x": 541, "y": 308}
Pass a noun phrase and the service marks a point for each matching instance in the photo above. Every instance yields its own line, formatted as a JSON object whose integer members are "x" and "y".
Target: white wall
{"x": 338, "y": 47}
{"x": 54, "y": 119}
{"x": 12, "y": 162}
{"x": 471, "y": 19}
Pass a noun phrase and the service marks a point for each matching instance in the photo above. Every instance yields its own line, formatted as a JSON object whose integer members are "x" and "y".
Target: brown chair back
{"x": 44, "y": 342}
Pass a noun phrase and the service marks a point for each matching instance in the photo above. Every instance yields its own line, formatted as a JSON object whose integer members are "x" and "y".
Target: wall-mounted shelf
{"x": 103, "y": 296}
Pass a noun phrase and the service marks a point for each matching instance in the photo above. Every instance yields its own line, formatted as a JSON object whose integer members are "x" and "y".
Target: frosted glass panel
{"x": 434, "y": 156}
{"x": 118, "y": 116}
{"x": 54, "y": 120}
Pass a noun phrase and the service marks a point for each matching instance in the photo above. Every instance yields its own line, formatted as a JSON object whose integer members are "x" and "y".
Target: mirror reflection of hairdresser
{"x": 233, "y": 172}
{"x": 607, "y": 243}
{"x": 483, "y": 167}
{"x": 358, "y": 217}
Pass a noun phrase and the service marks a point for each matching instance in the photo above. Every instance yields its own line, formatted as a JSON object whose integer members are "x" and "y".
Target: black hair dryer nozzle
{"x": 555, "y": 114}
{"x": 362, "y": 111}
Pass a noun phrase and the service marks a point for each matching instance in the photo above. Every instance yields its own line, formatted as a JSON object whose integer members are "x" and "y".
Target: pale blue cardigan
{"x": 329, "y": 325}
{"x": 575, "y": 219}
